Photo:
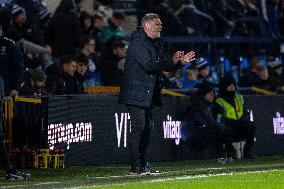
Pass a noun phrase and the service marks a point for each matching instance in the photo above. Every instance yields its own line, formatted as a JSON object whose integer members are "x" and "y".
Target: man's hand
{"x": 177, "y": 56}
{"x": 14, "y": 93}
{"x": 187, "y": 57}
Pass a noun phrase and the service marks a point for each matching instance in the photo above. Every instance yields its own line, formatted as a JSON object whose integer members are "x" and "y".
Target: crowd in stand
{"x": 60, "y": 52}
{"x": 215, "y": 17}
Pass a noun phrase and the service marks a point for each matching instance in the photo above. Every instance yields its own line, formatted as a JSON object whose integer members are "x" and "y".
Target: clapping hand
{"x": 187, "y": 57}
{"x": 177, "y": 56}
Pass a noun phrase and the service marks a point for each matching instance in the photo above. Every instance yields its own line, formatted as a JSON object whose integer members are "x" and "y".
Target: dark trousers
{"x": 237, "y": 131}
{"x": 141, "y": 128}
{"x": 3, "y": 152}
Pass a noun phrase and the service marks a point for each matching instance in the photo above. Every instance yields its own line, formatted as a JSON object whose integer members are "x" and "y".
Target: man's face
{"x": 117, "y": 22}
{"x": 81, "y": 68}
{"x": 231, "y": 87}
{"x": 120, "y": 52}
{"x": 99, "y": 23}
{"x": 91, "y": 46}
{"x": 205, "y": 72}
{"x": 264, "y": 74}
{"x": 70, "y": 68}
{"x": 21, "y": 19}
{"x": 209, "y": 97}
{"x": 192, "y": 75}
{"x": 40, "y": 84}
{"x": 154, "y": 28}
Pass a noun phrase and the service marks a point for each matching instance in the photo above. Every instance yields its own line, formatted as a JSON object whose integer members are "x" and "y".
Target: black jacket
{"x": 145, "y": 60}
{"x": 11, "y": 64}
{"x": 61, "y": 84}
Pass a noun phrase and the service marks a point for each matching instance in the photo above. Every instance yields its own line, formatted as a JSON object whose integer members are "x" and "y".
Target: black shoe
{"x": 135, "y": 171}
{"x": 17, "y": 175}
{"x": 150, "y": 170}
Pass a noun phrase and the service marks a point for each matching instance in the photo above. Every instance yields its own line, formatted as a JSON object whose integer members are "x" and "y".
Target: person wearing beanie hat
{"x": 33, "y": 83}
{"x": 204, "y": 73}
{"x": 275, "y": 71}
{"x": 18, "y": 11}
{"x": 19, "y": 28}
{"x": 44, "y": 15}
{"x": 199, "y": 129}
{"x": 230, "y": 110}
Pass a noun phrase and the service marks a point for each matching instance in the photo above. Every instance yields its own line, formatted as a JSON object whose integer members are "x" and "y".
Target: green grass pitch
{"x": 264, "y": 172}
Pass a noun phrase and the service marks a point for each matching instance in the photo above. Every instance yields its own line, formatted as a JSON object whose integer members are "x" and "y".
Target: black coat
{"x": 199, "y": 128}
{"x": 145, "y": 60}
{"x": 11, "y": 64}
{"x": 61, "y": 84}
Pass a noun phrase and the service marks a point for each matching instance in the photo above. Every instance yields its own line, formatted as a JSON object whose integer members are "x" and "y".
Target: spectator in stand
{"x": 93, "y": 75}
{"x": 200, "y": 22}
{"x": 171, "y": 23}
{"x": 33, "y": 83}
{"x": 6, "y": 18}
{"x": 204, "y": 74}
{"x": 269, "y": 13}
{"x": 31, "y": 38}
{"x": 64, "y": 30}
{"x": 32, "y": 7}
{"x": 97, "y": 31}
{"x": 61, "y": 80}
{"x": 219, "y": 11}
{"x": 191, "y": 80}
{"x": 81, "y": 68}
{"x": 114, "y": 28}
{"x": 169, "y": 80}
{"x": 114, "y": 53}
{"x": 11, "y": 64}
{"x": 19, "y": 27}
{"x": 263, "y": 80}
{"x": 275, "y": 71}
{"x": 250, "y": 75}
{"x": 87, "y": 23}
{"x": 251, "y": 8}
{"x": 43, "y": 20}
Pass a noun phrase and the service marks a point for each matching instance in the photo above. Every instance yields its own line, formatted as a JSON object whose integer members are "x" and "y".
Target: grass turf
{"x": 247, "y": 180}
{"x": 113, "y": 176}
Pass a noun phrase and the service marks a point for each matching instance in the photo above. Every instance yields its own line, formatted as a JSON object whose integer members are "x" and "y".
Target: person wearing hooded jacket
{"x": 230, "y": 110}
{"x": 199, "y": 128}
{"x": 146, "y": 58}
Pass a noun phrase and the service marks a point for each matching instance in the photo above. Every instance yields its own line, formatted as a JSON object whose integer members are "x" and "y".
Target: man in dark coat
{"x": 62, "y": 81}
{"x": 199, "y": 128}
{"x": 11, "y": 64}
{"x": 140, "y": 87}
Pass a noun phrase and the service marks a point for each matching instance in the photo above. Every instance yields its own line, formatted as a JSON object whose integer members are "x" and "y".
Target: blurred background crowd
{"x": 61, "y": 46}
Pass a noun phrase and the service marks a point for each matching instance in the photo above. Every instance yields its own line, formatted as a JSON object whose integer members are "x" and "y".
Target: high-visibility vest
{"x": 231, "y": 112}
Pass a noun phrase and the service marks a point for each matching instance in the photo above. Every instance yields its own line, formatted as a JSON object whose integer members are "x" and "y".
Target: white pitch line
{"x": 183, "y": 178}
{"x": 162, "y": 173}
{"x": 25, "y": 185}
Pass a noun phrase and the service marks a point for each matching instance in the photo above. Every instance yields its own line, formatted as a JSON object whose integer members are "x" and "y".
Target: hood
{"x": 224, "y": 83}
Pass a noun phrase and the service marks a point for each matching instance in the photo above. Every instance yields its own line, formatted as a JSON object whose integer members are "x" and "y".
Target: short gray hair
{"x": 148, "y": 17}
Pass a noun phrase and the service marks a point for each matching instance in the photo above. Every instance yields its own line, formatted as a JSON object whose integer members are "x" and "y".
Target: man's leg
{"x": 146, "y": 136}
{"x": 137, "y": 117}
{"x": 3, "y": 153}
{"x": 249, "y": 132}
